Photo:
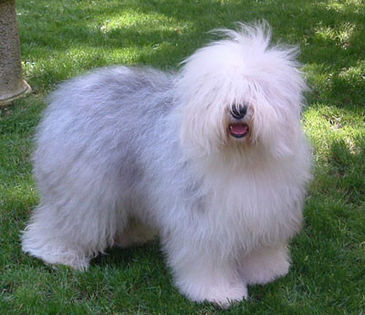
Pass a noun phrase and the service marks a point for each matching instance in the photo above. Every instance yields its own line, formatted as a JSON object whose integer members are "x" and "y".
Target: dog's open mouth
{"x": 238, "y": 130}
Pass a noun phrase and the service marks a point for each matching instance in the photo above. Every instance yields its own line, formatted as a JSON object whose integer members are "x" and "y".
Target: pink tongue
{"x": 238, "y": 129}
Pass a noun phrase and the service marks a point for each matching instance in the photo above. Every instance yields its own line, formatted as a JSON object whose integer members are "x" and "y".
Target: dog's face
{"x": 241, "y": 93}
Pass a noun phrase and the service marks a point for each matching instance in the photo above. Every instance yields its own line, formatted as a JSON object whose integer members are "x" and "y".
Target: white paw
{"x": 261, "y": 276}
{"x": 265, "y": 266}
{"x": 222, "y": 294}
{"x": 59, "y": 255}
{"x": 224, "y": 297}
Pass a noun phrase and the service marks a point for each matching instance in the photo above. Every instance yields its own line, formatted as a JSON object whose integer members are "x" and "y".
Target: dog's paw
{"x": 222, "y": 294}
{"x": 224, "y": 297}
{"x": 265, "y": 266}
{"x": 55, "y": 254}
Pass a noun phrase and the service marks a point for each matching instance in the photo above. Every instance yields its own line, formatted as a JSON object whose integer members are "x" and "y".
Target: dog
{"x": 211, "y": 158}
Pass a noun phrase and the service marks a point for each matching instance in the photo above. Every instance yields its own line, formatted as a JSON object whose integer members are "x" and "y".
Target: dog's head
{"x": 241, "y": 92}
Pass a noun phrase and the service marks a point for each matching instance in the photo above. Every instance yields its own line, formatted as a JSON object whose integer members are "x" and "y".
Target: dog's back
{"x": 101, "y": 117}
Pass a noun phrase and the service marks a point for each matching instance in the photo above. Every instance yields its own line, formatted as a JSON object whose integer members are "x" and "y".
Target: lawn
{"x": 60, "y": 39}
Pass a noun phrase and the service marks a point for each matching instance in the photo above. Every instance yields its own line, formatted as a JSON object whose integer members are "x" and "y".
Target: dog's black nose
{"x": 238, "y": 111}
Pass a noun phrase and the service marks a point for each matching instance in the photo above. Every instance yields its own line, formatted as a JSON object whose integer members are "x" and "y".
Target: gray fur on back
{"x": 108, "y": 121}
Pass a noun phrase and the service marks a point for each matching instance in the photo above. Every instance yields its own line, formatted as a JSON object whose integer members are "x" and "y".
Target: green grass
{"x": 63, "y": 38}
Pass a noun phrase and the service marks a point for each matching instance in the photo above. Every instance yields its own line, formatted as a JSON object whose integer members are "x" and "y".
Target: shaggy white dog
{"x": 212, "y": 158}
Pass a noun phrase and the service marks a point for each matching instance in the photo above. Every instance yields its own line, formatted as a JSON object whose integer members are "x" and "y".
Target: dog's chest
{"x": 252, "y": 207}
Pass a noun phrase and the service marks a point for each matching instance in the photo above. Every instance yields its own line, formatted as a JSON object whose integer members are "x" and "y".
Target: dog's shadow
{"x": 148, "y": 253}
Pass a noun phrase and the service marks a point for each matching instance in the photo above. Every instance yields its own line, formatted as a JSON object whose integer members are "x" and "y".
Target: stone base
{"x": 21, "y": 92}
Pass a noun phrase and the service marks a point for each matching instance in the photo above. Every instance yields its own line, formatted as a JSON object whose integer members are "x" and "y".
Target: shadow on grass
{"x": 124, "y": 257}
{"x": 346, "y": 165}
{"x": 162, "y": 33}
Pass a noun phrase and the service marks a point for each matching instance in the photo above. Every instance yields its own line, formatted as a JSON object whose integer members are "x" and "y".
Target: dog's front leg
{"x": 201, "y": 274}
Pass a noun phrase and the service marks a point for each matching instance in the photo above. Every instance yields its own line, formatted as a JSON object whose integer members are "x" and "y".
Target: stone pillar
{"x": 12, "y": 85}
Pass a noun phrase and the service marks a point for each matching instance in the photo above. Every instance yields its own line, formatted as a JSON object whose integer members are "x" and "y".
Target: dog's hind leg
{"x": 70, "y": 232}
{"x": 135, "y": 233}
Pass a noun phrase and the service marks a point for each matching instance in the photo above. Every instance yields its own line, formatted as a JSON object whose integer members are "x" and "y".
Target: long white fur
{"x": 125, "y": 153}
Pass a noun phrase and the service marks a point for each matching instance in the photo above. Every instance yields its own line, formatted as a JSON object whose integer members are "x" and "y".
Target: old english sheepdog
{"x": 212, "y": 158}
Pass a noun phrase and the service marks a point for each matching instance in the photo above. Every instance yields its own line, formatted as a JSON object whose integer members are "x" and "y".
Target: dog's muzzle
{"x": 238, "y": 111}
{"x": 237, "y": 127}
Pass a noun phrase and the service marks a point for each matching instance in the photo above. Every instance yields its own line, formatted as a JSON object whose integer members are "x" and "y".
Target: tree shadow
{"x": 68, "y": 25}
{"x": 346, "y": 166}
